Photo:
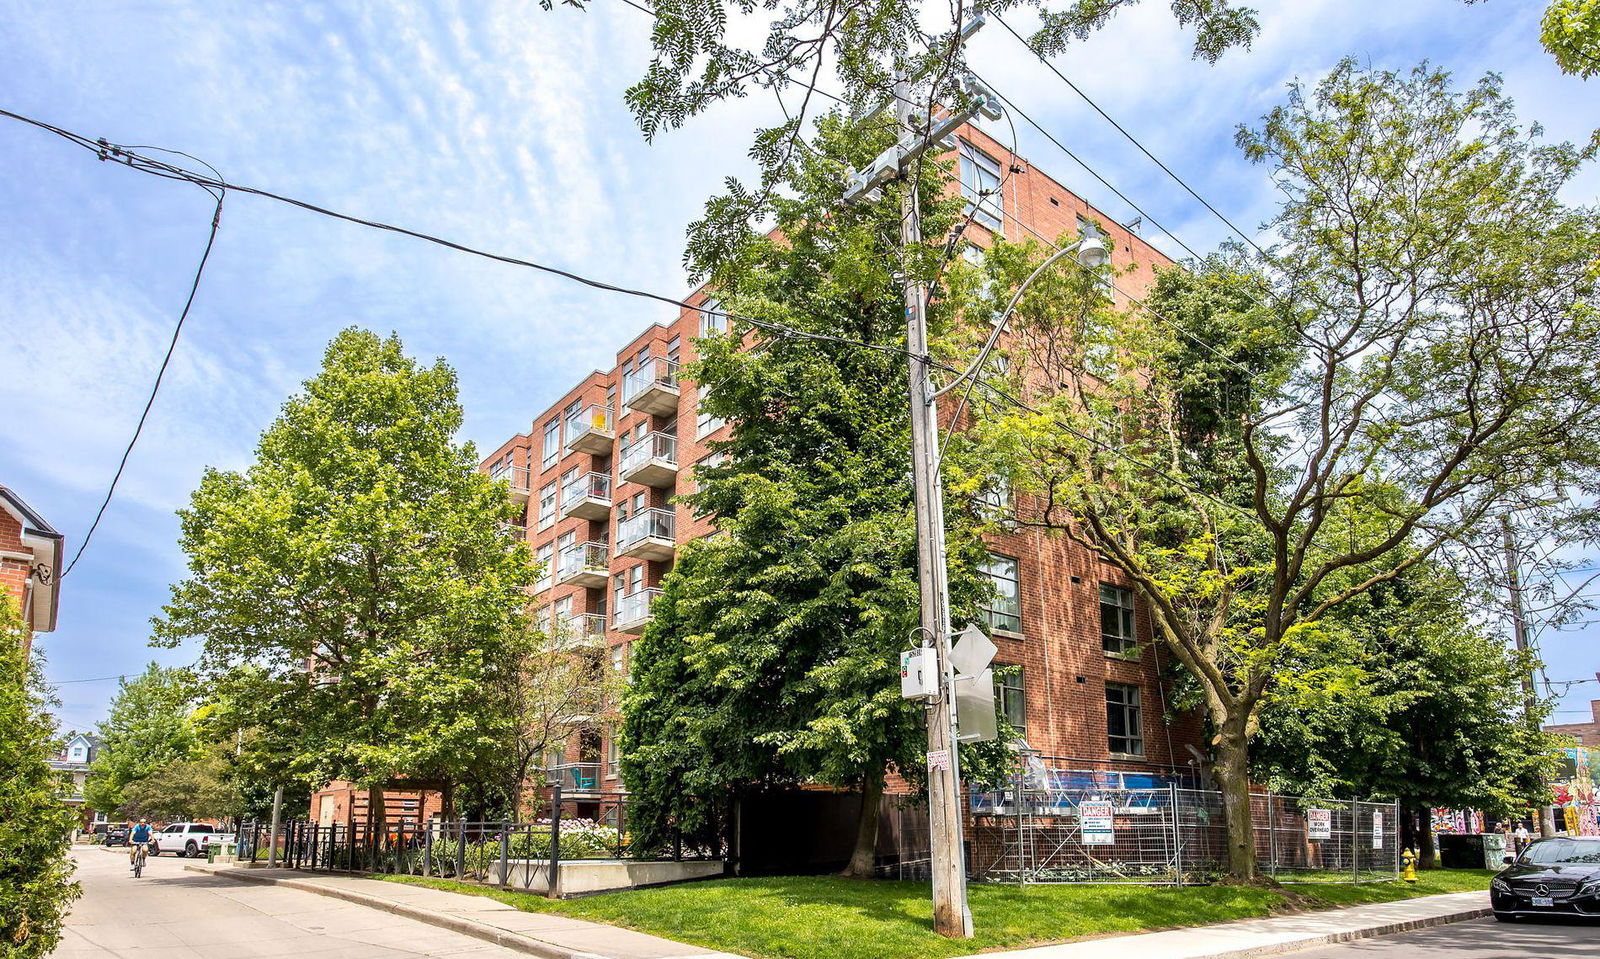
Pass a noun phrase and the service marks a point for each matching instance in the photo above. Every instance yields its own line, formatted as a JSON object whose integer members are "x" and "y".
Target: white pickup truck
{"x": 187, "y": 838}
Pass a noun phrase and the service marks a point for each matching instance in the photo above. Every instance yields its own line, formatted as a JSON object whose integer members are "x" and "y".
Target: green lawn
{"x": 808, "y": 916}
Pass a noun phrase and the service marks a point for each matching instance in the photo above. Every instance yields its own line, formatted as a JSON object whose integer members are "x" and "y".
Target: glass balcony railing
{"x": 581, "y": 629}
{"x": 646, "y": 526}
{"x": 587, "y": 495}
{"x": 651, "y": 460}
{"x": 653, "y": 387}
{"x": 516, "y": 477}
{"x": 592, "y": 430}
{"x": 633, "y": 610}
{"x": 586, "y": 564}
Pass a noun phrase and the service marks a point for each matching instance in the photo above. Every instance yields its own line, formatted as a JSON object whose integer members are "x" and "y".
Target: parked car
{"x": 1552, "y": 877}
{"x": 115, "y": 835}
{"x": 187, "y": 838}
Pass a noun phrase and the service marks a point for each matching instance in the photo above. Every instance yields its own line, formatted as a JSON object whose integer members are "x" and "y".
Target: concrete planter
{"x": 579, "y": 876}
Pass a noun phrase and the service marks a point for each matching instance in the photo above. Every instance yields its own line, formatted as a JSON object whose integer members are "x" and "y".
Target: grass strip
{"x": 800, "y": 917}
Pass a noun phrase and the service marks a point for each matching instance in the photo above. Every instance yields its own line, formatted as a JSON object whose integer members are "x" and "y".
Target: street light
{"x": 1089, "y": 252}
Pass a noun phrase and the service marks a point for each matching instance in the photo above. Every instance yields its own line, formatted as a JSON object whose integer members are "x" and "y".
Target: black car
{"x": 116, "y": 835}
{"x": 1552, "y": 877}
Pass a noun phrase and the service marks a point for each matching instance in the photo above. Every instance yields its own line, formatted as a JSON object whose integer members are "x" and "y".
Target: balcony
{"x": 586, "y": 564}
{"x": 653, "y": 387}
{"x": 592, "y": 430}
{"x": 648, "y": 534}
{"x": 652, "y": 460}
{"x": 515, "y": 531}
{"x": 580, "y": 629}
{"x": 587, "y": 496}
{"x": 633, "y": 611}
{"x": 575, "y": 779}
{"x": 517, "y": 478}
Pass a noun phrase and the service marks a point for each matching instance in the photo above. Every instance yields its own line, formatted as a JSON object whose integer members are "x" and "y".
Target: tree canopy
{"x": 353, "y": 591}
{"x": 149, "y": 726}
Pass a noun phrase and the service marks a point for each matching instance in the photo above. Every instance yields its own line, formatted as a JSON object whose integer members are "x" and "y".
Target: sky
{"x": 503, "y": 126}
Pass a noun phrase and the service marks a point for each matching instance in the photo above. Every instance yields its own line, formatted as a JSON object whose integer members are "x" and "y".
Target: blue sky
{"x": 502, "y": 126}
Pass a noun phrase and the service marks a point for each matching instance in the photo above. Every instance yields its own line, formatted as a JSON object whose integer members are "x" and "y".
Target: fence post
{"x": 427, "y": 849}
{"x": 1177, "y": 836}
{"x": 461, "y": 848}
{"x": 505, "y": 851}
{"x": 350, "y": 836}
{"x": 1272, "y": 838}
{"x": 1396, "y": 850}
{"x": 1355, "y": 848}
{"x": 554, "y": 869}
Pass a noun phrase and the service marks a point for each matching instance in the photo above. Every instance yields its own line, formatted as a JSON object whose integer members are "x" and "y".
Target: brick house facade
{"x": 600, "y": 467}
{"x": 30, "y": 564}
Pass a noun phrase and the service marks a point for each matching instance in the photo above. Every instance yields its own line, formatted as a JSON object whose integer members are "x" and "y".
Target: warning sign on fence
{"x": 1095, "y": 822}
{"x": 1319, "y": 823}
{"x": 1377, "y": 830}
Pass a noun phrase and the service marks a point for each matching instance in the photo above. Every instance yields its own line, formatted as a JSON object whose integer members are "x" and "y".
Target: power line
{"x": 155, "y": 388}
{"x": 1131, "y": 138}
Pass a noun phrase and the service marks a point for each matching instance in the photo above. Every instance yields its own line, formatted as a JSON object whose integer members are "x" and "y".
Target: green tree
{"x": 353, "y": 591}
{"x": 1421, "y": 364}
{"x": 198, "y": 787}
{"x": 1431, "y": 716}
{"x": 1570, "y": 31}
{"x": 148, "y": 727}
{"x": 772, "y": 655}
{"x": 36, "y": 886}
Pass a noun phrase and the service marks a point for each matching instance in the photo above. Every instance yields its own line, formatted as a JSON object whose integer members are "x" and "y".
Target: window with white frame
{"x": 552, "y": 442}
{"x": 980, "y": 184}
{"x": 564, "y": 542}
{"x": 1008, "y": 695}
{"x": 563, "y": 613}
{"x": 613, "y": 755}
{"x": 1124, "y": 729}
{"x": 547, "y": 506}
{"x": 1003, "y": 609}
{"x": 1116, "y": 620}
{"x": 619, "y": 659}
{"x": 546, "y": 567}
{"x": 994, "y": 501}
{"x": 706, "y": 424}
{"x": 711, "y": 322}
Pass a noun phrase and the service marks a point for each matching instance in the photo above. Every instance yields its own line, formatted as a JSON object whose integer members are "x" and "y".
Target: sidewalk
{"x": 538, "y": 934}
{"x": 1269, "y": 937}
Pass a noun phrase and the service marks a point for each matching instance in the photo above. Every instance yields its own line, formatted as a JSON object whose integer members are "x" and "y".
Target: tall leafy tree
{"x": 352, "y": 591}
{"x": 1430, "y": 713}
{"x": 36, "y": 886}
{"x": 149, "y": 726}
{"x": 1430, "y": 339}
{"x": 772, "y": 656}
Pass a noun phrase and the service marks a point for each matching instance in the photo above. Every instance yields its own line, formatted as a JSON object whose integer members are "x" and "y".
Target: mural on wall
{"x": 1573, "y": 789}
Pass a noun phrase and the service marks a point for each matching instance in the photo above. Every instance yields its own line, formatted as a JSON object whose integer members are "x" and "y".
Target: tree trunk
{"x": 1408, "y": 828}
{"x": 1426, "y": 856}
{"x": 865, "y": 855}
{"x": 377, "y": 817}
{"x": 1233, "y": 779}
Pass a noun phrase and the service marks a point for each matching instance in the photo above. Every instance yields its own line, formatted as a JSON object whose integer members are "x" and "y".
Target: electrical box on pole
{"x": 919, "y": 673}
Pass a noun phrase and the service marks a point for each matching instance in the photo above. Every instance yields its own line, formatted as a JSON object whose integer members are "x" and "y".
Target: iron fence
{"x": 519, "y": 855}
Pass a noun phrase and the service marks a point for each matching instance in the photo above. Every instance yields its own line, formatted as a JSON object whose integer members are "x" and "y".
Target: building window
{"x": 980, "y": 184}
{"x": 613, "y": 755}
{"x": 706, "y": 424}
{"x": 546, "y": 567}
{"x": 1124, "y": 730}
{"x": 562, "y": 614}
{"x": 1009, "y": 697}
{"x": 547, "y": 506}
{"x": 1116, "y": 620}
{"x": 619, "y": 659}
{"x": 994, "y": 502}
{"x": 552, "y": 442}
{"x": 712, "y": 323}
{"x": 1004, "y": 609}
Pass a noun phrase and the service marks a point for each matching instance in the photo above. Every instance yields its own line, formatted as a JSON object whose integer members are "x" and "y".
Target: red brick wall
{"x": 1064, "y": 667}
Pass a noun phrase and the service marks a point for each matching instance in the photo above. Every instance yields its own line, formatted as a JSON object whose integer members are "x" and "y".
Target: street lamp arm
{"x": 1089, "y": 244}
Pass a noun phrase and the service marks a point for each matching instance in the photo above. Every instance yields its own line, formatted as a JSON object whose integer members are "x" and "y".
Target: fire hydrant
{"x": 1408, "y": 866}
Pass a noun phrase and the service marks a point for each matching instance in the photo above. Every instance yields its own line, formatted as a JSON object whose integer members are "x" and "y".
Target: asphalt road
{"x": 1477, "y": 939}
{"x": 173, "y": 914}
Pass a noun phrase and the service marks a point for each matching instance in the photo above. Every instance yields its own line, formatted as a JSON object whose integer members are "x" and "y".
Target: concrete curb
{"x": 1335, "y": 938}
{"x": 467, "y": 927}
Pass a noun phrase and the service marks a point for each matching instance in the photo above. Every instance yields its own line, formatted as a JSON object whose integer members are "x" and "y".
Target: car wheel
{"x": 1505, "y": 917}
{"x": 191, "y": 850}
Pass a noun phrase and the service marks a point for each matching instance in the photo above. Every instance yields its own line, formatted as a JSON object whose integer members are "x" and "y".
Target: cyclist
{"x": 136, "y": 840}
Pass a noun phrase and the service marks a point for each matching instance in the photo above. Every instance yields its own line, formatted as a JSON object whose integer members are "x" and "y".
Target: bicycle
{"x": 138, "y": 858}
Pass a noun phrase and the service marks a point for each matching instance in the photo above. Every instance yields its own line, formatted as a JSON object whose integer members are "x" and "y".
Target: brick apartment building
{"x": 1587, "y": 734}
{"x": 30, "y": 564}
{"x": 599, "y": 470}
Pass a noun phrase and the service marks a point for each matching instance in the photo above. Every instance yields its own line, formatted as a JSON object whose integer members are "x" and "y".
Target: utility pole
{"x": 277, "y": 811}
{"x": 951, "y": 917}
{"x": 1519, "y": 635}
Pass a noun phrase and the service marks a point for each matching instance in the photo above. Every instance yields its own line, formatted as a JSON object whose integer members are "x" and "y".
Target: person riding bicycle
{"x": 137, "y": 838}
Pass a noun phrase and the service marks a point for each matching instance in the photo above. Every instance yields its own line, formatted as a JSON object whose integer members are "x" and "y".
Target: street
{"x": 173, "y": 914}
{"x": 1478, "y": 939}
